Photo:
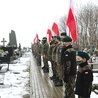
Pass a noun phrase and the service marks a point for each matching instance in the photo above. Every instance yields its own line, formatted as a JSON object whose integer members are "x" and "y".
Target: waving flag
{"x": 49, "y": 35}
{"x": 71, "y": 23}
{"x": 36, "y": 38}
{"x": 55, "y": 29}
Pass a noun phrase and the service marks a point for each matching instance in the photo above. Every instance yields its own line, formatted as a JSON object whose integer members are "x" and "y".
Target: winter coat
{"x": 84, "y": 81}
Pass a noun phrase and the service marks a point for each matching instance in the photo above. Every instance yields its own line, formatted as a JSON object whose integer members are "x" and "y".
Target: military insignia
{"x": 86, "y": 73}
{"x": 66, "y": 55}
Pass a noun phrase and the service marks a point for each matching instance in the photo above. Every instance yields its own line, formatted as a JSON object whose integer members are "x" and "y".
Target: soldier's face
{"x": 80, "y": 60}
{"x": 66, "y": 43}
{"x": 62, "y": 37}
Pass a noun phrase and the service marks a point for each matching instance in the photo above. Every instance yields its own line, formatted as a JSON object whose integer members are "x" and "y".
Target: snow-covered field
{"x": 14, "y": 83}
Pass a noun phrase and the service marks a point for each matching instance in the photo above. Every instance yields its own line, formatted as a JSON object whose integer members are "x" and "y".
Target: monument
{"x": 12, "y": 38}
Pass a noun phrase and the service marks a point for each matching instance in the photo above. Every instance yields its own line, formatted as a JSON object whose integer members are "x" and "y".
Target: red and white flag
{"x": 36, "y": 38}
{"x": 49, "y": 35}
{"x": 71, "y": 23}
{"x": 55, "y": 29}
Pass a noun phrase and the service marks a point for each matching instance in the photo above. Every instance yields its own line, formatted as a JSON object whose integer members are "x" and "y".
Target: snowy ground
{"x": 95, "y": 81}
{"x": 14, "y": 82}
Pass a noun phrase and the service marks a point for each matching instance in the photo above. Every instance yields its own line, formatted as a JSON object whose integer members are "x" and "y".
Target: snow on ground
{"x": 15, "y": 79}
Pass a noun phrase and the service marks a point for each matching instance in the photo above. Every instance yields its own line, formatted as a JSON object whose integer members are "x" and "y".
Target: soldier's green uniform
{"x": 69, "y": 65}
{"x": 58, "y": 57}
{"x": 52, "y": 45}
{"x": 38, "y": 51}
{"x": 45, "y": 47}
{"x": 58, "y": 63}
{"x": 54, "y": 60}
{"x": 58, "y": 60}
{"x": 34, "y": 49}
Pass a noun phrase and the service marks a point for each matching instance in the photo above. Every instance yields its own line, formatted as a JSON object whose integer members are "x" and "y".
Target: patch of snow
{"x": 15, "y": 80}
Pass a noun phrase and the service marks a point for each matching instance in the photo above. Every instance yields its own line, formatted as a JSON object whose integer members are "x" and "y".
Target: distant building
{"x": 12, "y": 38}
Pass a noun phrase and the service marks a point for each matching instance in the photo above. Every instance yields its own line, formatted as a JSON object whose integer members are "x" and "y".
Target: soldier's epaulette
{"x": 87, "y": 67}
{"x": 70, "y": 49}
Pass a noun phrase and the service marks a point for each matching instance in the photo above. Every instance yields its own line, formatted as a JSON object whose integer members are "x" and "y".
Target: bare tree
{"x": 62, "y": 25}
{"x": 87, "y": 26}
{"x": 87, "y": 20}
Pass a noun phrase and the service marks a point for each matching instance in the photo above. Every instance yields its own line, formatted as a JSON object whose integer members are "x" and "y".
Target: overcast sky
{"x": 28, "y": 17}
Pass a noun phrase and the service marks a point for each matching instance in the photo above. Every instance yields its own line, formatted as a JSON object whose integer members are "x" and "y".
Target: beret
{"x": 53, "y": 36}
{"x": 67, "y": 39}
{"x": 44, "y": 38}
{"x": 63, "y": 34}
{"x": 83, "y": 55}
{"x": 58, "y": 37}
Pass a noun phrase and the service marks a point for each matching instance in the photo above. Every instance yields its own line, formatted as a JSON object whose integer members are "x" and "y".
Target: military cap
{"x": 63, "y": 34}
{"x": 67, "y": 39}
{"x": 53, "y": 36}
{"x": 58, "y": 37}
{"x": 83, "y": 55}
{"x": 44, "y": 38}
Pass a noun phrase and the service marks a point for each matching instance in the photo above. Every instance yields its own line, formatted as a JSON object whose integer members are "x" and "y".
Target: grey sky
{"x": 28, "y": 17}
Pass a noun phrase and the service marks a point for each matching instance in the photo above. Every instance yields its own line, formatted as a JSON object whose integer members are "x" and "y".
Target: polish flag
{"x": 49, "y": 35}
{"x": 55, "y": 29}
{"x": 71, "y": 23}
{"x": 36, "y": 38}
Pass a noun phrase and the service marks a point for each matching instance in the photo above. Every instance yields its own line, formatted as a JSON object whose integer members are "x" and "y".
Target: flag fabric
{"x": 36, "y": 38}
{"x": 71, "y": 23}
{"x": 55, "y": 29}
{"x": 49, "y": 35}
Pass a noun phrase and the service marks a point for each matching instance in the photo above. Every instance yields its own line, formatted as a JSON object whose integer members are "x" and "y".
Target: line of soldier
{"x": 62, "y": 56}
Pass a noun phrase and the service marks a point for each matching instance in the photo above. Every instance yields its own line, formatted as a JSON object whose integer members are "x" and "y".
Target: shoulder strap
{"x": 70, "y": 49}
{"x": 84, "y": 68}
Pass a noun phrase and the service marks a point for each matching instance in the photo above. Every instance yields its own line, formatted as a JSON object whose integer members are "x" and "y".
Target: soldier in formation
{"x": 38, "y": 53}
{"x": 59, "y": 81}
{"x": 69, "y": 67}
{"x": 50, "y": 50}
{"x": 45, "y": 47}
{"x": 84, "y": 76}
{"x": 62, "y": 56}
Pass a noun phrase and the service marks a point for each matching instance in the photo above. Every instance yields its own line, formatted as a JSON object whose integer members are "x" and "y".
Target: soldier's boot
{"x": 66, "y": 96}
{"x": 43, "y": 67}
{"x": 59, "y": 83}
{"x": 46, "y": 70}
{"x": 53, "y": 77}
{"x": 56, "y": 79}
